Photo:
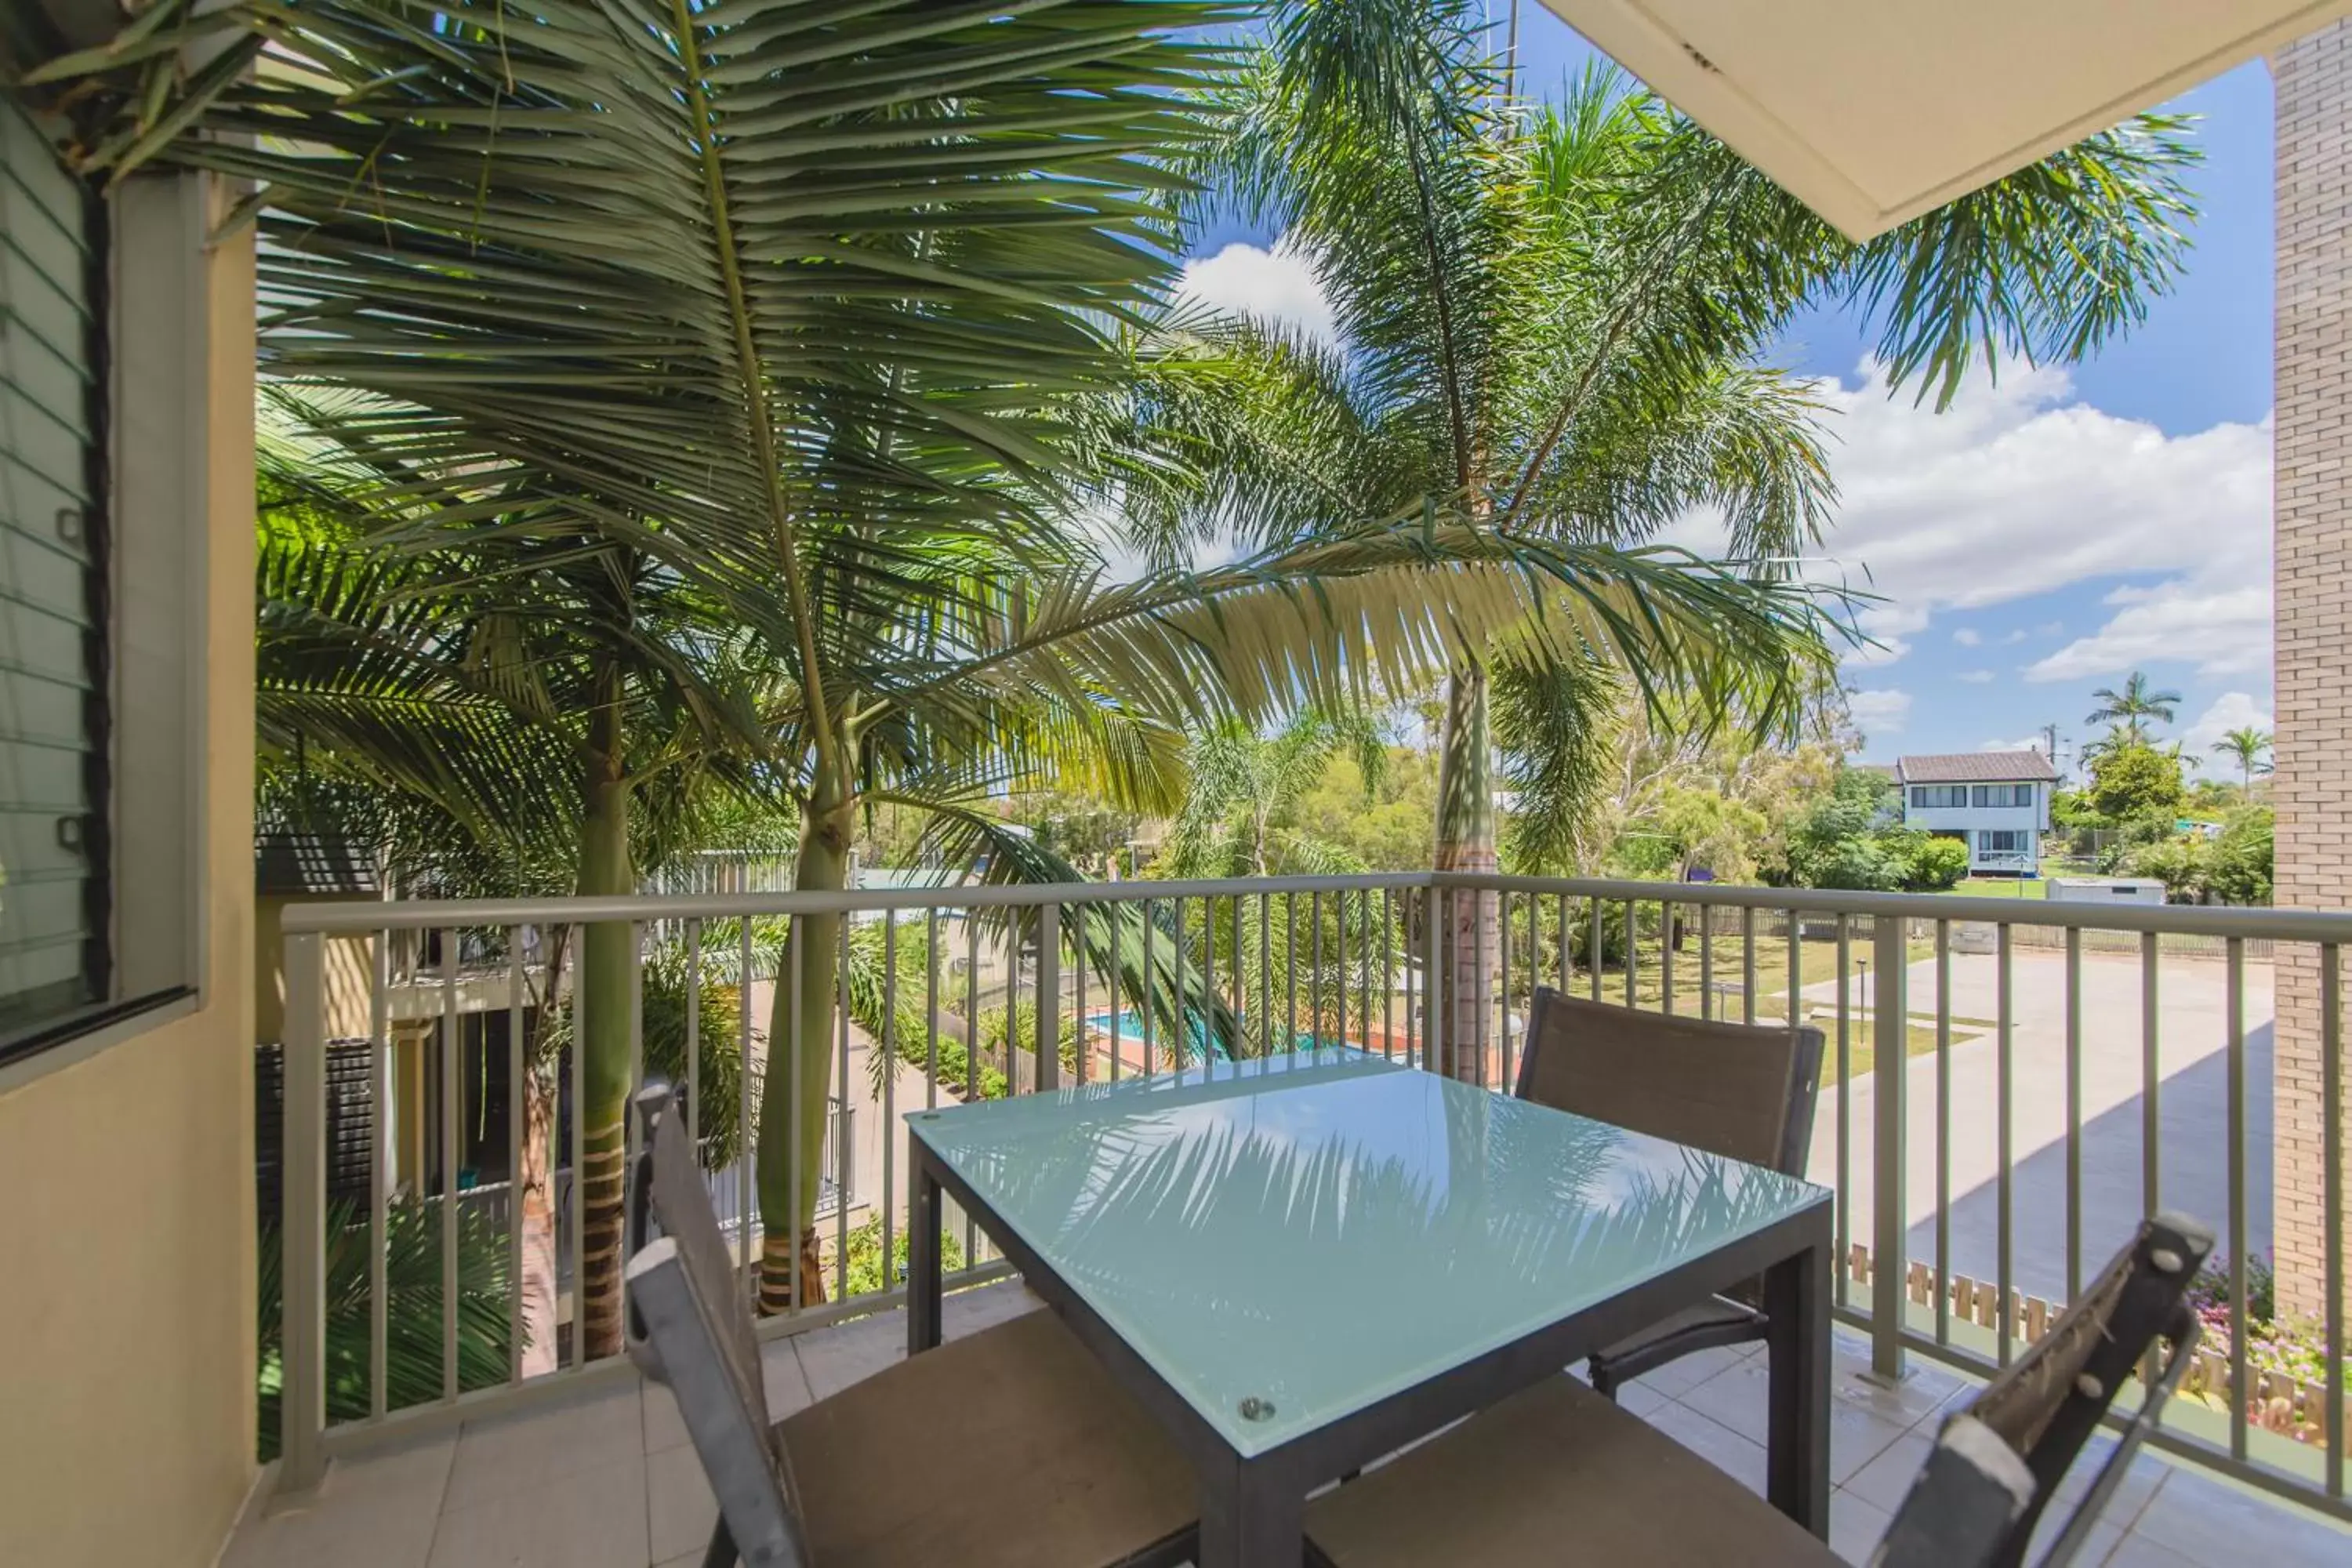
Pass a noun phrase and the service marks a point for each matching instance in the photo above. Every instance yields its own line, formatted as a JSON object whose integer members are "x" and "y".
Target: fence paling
{"x": 1174, "y": 936}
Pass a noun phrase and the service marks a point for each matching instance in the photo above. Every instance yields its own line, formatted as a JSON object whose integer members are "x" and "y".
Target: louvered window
{"x": 53, "y": 956}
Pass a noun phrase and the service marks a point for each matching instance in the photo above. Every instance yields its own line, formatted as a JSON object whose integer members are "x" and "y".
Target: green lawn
{"x": 2003, "y": 888}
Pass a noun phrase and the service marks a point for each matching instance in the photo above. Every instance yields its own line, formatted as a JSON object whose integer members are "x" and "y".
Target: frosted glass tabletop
{"x": 1289, "y": 1240}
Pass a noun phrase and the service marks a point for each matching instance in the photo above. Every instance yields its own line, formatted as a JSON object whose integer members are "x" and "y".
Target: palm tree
{"x": 2249, "y": 745}
{"x": 795, "y": 315}
{"x": 1549, "y": 320}
{"x": 2130, "y": 709}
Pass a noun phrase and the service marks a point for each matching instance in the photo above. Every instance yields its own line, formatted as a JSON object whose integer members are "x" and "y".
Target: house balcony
{"x": 2084, "y": 1065}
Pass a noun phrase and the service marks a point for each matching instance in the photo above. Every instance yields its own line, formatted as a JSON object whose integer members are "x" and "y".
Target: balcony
{"x": 2066, "y": 1068}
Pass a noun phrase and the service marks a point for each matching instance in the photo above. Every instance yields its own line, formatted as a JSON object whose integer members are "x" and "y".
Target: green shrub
{"x": 865, "y": 1258}
{"x": 412, "y": 1275}
{"x": 1937, "y": 864}
{"x": 2239, "y": 867}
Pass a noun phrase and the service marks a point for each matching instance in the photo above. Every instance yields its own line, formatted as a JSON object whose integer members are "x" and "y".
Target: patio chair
{"x": 1745, "y": 1091}
{"x": 1557, "y": 1470}
{"x": 1006, "y": 1449}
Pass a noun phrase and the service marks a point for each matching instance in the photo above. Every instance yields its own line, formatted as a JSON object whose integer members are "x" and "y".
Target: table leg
{"x": 1251, "y": 1518}
{"x": 923, "y": 1260}
{"x": 1797, "y": 1462}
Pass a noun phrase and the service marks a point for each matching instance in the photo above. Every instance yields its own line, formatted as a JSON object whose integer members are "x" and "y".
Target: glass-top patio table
{"x": 1301, "y": 1263}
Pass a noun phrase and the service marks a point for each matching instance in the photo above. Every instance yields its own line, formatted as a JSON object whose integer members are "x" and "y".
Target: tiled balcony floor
{"x": 608, "y": 1479}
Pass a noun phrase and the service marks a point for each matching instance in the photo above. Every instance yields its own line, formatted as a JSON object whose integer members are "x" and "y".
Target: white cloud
{"x": 2019, "y": 489}
{"x": 2226, "y": 630}
{"x": 2230, "y": 711}
{"x": 1276, "y": 285}
{"x": 1881, "y": 712}
{"x": 2034, "y": 742}
{"x": 1974, "y": 677}
{"x": 1967, "y": 636}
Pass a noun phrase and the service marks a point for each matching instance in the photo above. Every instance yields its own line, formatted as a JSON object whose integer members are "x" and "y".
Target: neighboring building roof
{"x": 1977, "y": 767}
{"x": 286, "y": 864}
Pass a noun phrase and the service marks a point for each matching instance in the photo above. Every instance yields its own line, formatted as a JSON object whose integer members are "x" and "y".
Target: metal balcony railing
{"x": 2052, "y": 1092}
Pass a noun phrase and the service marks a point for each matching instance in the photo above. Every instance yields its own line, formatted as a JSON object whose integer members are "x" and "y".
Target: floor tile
{"x": 2137, "y": 1551}
{"x": 1736, "y": 1398}
{"x": 1639, "y": 1399}
{"x": 375, "y": 1512}
{"x": 587, "y": 1519}
{"x": 1856, "y": 1527}
{"x": 664, "y": 1427}
{"x": 968, "y": 1312}
{"x": 2212, "y": 1523}
{"x": 508, "y": 1453}
{"x": 679, "y": 1509}
{"x": 1678, "y": 1376}
{"x": 1739, "y": 1458}
{"x": 833, "y": 1359}
{"x": 1921, "y": 1395}
{"x": 1886, "y": 1481}
{"x": 780, "y": 1375}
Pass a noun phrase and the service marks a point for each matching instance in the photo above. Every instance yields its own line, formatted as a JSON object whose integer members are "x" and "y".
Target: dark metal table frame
{"x": 1251, "y": 1508}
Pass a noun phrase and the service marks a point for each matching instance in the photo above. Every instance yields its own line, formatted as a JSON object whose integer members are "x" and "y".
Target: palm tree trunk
{"x": 795, "y": 1094}
{"x": 1468, "y": 921}
{"x": 606, "y": 959}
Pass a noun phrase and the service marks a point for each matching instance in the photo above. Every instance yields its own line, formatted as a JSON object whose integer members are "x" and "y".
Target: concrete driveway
{"x": 2192, "y": 1101}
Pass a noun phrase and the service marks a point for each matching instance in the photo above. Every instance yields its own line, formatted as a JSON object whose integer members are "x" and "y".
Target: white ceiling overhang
{"x": 1873, "y": 111}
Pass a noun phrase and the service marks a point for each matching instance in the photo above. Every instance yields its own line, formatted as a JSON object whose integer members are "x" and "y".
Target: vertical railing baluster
{"x": 1314, "y": 970}
{"x": 515, "y": 1135}
{"x": 1049, "y": 996}
{"x": 302, "y": 1067}
{"x": 931, "y": 1006}
{"x": 693, "y": 1036}
{"x": 971, "y": 1050}
{"x": 1290, "y": 970}
{"x": 1180, "y": 982}
{"x": 2331, "y": 1202}
{"x": 1265, "y": 973}
{"x": 1747, "y": 966}
{"x": 1595, "y": 945}
{"x": 1151, "y": 996}
{"x": 2004, "y": 1156}
{"x": 1433, "y": 990}
{"x": 747, "y": 1223}
{"x": 888, "y": 1130}
{"x": 1503, "y": 1011}
{"x": 1115, "y": 984}
{"x": 1943, "y": 1129}
{"x": 794, "y": 1047}
{"x": 1845, "y": 1092}
{"x": 2236, "y": 951}
{"x": 2152, "y": 1121}
{"x": 1707, "y": 1008}
{"x": 841, "y": 1140}
{"x": 1667, "y": 957}
{"x": 1566, "y": 952}
{"x": 1078, "y": 1002}
{"x": 379, "y": 1173}
{"x": 452, "y": 1116}
{"x": 1891, "y": 1019}
{"x": 577, "y": 1206}
{"x": 2074, "y": 1114}
{"x": 1388, "y": 978}
{"x": 1632, "y": 957}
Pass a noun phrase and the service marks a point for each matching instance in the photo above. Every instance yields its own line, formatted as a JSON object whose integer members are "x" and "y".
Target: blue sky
{"x": 2051, "y": 533}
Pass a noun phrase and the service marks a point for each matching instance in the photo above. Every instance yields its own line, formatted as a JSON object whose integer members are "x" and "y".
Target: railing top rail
{"x": 2185, "y": 920}
{"x": 355, "y": 917}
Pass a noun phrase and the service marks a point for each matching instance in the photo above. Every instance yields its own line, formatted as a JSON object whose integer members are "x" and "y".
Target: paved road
{"x": 2192, "y": 1101}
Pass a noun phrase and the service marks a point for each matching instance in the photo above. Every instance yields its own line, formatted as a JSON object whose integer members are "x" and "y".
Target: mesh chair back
{"x": 1741, "y": 1090}
{"x": 671, "y": 1187}
{"x": 725, "y": 1413}
{"x": 1998, "y": 1463}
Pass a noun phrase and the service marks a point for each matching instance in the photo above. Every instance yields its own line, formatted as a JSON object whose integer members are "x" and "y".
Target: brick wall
{"x": 2313, "y": 588}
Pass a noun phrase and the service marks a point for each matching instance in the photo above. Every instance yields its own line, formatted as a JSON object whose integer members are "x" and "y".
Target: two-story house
{"x": 1998, "y": 803}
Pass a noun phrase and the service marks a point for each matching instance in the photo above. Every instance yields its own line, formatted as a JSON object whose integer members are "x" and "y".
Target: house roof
{"x": 1977, "y": 767}
{"x": 1875, "y": 114}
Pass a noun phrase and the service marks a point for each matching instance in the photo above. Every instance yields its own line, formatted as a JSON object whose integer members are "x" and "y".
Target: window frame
{"x": 146, "y": 530}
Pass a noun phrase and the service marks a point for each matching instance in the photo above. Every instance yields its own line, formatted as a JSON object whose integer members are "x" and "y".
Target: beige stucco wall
{"x": 350, "y": 976}
{"x": 127, "y": 1290}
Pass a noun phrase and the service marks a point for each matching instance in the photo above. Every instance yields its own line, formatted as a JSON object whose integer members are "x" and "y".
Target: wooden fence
{"x": 2277, "y": 1402}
